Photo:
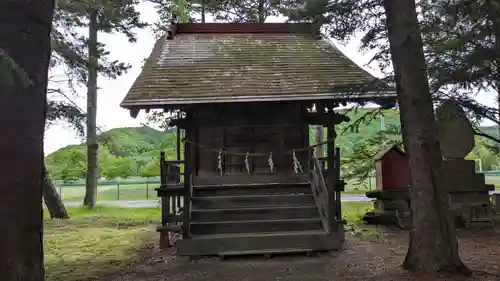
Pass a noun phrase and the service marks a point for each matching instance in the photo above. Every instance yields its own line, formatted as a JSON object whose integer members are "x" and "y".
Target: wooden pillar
{"x": 178, "y": 131}
{"x": 338, "y": 202}
{"x": 186, "y": 208}
{"x": 331, "y": 168}
{"x": 320, "y": 132}
{"x": 165, "y": 205}
{"x": 320, "y": 137}
{"x": 281, "y": 146}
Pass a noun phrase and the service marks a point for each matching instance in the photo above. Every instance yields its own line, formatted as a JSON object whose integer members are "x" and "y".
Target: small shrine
{"x": 391, "y": 168}
{"x": 246, "y": 94}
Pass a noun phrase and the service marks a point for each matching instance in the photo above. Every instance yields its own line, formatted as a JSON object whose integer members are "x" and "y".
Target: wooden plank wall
{"x": 277, "y": 136}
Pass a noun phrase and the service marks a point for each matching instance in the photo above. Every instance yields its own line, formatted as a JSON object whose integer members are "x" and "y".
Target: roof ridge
{"x": 247, "y": 27}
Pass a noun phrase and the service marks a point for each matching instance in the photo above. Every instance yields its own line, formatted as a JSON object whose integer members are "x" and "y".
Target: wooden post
{"x": 331, "y": 168}
{"x": 165, "y": 205}
{"x": 320, "y": 136}
{"x": 281, "y": 149}
{"x": 178, "y": 198}
{"x": 186, "y": 208}
{"x": 338, "y": 202}
{"x": 178, "y": 143}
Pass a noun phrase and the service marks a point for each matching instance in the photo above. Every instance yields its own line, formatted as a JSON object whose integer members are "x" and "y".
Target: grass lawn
{"x": 95, "y": 242}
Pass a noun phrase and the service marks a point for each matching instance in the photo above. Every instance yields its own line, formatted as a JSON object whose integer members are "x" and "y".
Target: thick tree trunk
{"x": 25, "y": 28}
{"x": 92, "y": 144}
{"x": 52, "y": 199}
{"x": 433, "y": 243}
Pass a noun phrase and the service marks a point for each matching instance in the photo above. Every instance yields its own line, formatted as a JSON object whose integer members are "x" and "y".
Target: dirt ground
{"x": 370, "y": 254}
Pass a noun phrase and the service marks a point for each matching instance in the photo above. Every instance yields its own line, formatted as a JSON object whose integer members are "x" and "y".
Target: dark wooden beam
{"x": 134, "y": 112}
{"x": 331, "y": 135}
{"x": 311, "y": 118}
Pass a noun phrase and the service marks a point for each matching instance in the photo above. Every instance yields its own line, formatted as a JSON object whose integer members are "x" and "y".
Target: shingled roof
{"x": 223, "y": 62}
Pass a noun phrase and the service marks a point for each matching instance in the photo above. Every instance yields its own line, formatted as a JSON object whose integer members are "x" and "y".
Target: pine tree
{"x": 97, "y": 16}
{"x": 433, "y": 242}
{"x": 341, "y": 19}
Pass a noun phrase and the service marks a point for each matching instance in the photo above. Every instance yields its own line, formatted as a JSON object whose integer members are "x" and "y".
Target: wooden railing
{"x": 326, "y": 195}
{"x": 188, "y": 193}
{"x": 320, "y": 192}
{"x": 171, "y": 193}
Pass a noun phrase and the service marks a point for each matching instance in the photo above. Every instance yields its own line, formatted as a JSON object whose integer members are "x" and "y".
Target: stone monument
{"x": 468, "y": 192}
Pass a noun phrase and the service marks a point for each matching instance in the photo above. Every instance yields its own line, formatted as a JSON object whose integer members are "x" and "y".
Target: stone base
{"x": 460, "y": 174}
{"x": 472, "y": 208}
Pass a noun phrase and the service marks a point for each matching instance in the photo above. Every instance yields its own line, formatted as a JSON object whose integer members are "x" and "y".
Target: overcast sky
{"x": 111, "y": 92}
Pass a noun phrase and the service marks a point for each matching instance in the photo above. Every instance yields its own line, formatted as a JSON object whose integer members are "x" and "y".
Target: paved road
{"x": 154, "y": 203}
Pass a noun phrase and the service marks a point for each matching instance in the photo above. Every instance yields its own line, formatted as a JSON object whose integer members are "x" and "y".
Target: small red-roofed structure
{"x": 392, "y": 170}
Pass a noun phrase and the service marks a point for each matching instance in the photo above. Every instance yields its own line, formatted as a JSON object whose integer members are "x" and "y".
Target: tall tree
{"x": 433, "y": 242}
{"x": 26, "y": 26}
{"x": 392, "y": 27}
{"x": 464, "y": 46}
{"x": 92, "y": 144}
{"x": 98, "y": 16}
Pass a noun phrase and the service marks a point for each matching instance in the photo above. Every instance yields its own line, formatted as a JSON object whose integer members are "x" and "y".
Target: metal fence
{"x": 138, "y": 188}
{"x": 110, "y": 190}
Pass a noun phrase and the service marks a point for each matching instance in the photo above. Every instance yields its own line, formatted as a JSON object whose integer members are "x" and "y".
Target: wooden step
{"x": 207, "y": 245}
{"x": 221, "y": 227}
{"x": 231, "y": 202}
{"x": 255, "y": 213}
{"x": 252, "y": 189}
{"x": 265, "y": 252}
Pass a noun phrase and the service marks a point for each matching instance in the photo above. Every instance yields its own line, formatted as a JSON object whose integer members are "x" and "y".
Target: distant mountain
{"x": 139, "y": 145}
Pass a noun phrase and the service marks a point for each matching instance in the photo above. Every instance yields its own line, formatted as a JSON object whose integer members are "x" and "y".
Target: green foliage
{"x": 245, "y": 10}
{"x": 460, "y": 43}
{"x": 152, "y": 169}
{"x": 123, "y": 152}
{"x": 68, "y": 163}
{"x": 119, "y": 167}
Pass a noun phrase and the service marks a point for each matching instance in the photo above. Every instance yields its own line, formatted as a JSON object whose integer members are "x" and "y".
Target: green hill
{"x": 122, "y": 152}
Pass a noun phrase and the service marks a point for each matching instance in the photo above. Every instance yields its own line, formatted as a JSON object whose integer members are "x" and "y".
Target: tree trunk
{"x": 52, "y": 199}
{"x": 92, "y": 144}
{"x": 25, "y": 28}
{"x": 433, "y": 243}
{"x": 262, "y": 11}
{"x": 203, "y": 8}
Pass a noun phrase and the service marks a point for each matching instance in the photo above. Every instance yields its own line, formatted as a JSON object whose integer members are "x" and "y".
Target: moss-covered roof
{"x": 223, "y": 67}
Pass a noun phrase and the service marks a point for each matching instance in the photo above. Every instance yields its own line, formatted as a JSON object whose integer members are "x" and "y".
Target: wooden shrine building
{"x": 245, "y": 95}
